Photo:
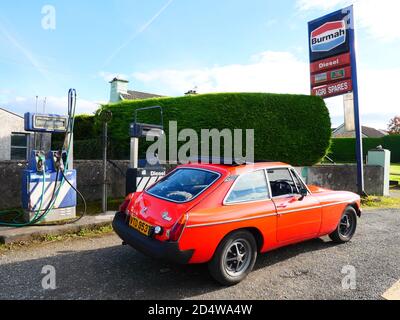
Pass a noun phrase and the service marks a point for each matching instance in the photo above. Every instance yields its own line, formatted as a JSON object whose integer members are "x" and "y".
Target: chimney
{"x": 118, "y": 86}
{"x": 348, "y": 103}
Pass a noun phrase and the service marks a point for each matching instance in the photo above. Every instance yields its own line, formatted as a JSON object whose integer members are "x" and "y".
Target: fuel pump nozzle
{"x": 58, "y": 160}
{"x": 40, "y": 161}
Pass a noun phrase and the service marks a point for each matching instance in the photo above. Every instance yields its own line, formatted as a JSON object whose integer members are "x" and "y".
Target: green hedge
{"x": 90, "y": 149}
{"x": 343, "y": 149}
{"x": 290, "y": 128}
{"x": 84, "y": 129}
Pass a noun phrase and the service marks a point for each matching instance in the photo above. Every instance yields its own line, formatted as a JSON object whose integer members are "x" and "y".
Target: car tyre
{"x": 346, "y": 228}
{"x": 234, "y": 258}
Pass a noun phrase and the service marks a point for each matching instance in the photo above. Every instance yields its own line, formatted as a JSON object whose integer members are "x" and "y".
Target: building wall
{"x": 9, "y": 123}
{"x": 344, "y": 177}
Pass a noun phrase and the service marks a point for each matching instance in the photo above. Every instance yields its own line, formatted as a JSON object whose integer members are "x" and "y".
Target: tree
{"x": 394, "y": 125}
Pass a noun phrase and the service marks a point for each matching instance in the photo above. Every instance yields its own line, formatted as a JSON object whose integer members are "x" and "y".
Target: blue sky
{"x": 171, "y": 46}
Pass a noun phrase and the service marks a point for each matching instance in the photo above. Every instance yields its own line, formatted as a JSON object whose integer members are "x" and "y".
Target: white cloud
{"x": 281, "y": 72}
{"x": 57, "y": 105}
{"x": 268, "y": 72}
{"x": 379, "y": 18}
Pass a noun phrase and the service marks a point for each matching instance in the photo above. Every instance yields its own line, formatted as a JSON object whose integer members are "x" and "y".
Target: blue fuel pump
{"x": 49, "y": 183}
{"x": 39, "y": 186}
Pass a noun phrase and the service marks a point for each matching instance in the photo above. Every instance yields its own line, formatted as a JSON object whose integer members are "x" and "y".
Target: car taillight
{"x": 177, "y": 229}
{"x": 124, "y": 205}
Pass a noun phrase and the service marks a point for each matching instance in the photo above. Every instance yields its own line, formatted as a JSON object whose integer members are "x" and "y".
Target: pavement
{"x": 100, "y": 268}
{"x": 12, "y": 235}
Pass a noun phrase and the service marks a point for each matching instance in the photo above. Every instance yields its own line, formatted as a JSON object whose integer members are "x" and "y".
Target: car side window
{"x": 299, "y": 184}
{"x": 281, "y": 182}
{"x": 249, "y": 187}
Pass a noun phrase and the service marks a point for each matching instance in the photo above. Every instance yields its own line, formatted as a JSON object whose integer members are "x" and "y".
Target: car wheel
{"x": 346, "y": 228}
{"x": 234, "y": 258}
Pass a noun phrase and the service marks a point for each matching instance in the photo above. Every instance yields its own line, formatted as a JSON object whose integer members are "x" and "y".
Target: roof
{"x": 13, "y": 113}
{"x": 372, "y": 132}
{"x": 118, "y": 79}
{"x": 237, "y": 169}
{"x": 137, "y": 95}
{"x": 366, "y": 131}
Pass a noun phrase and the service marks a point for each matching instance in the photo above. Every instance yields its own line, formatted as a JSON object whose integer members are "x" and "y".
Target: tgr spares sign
{"x": 331, "y": 39}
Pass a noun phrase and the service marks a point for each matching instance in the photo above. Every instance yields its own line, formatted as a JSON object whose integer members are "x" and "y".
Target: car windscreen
{"x": 183, "y": 184}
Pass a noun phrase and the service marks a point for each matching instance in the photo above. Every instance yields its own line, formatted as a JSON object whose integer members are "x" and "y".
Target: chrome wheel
{"x": 347, "y": 225}
{"x": 237, "y": 257}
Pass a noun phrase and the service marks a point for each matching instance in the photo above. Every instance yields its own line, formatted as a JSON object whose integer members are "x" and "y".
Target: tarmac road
{"x": 100, "y": 268}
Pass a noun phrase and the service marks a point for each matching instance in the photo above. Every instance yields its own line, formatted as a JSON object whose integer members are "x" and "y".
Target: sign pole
{"x": 357, "y": 122}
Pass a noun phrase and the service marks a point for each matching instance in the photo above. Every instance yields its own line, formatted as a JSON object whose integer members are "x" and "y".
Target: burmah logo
{"x": 328, "y": 36}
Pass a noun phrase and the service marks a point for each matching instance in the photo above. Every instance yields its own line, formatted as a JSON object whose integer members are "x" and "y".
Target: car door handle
{"x": 282, "y": 206}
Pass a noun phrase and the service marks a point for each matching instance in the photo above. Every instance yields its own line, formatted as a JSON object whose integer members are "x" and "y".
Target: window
{"x": 19, "y": 146}
{"x": 249, "y": 187}
{"x": 183, "y": 184}
{"x": 299, "y": 184}
{"x": 281, "y": 182}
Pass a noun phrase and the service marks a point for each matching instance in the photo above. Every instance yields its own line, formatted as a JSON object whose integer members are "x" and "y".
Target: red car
{"x": 224, "y": 215}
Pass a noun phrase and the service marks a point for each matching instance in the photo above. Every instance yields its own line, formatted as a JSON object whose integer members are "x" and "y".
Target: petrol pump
{"x": 140, "y": 174}
{"x": 49, "y": 191}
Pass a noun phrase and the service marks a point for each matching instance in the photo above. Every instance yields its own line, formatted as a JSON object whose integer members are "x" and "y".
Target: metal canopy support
{"x": 134, "y": 154}
{"x": 105, "y": 142}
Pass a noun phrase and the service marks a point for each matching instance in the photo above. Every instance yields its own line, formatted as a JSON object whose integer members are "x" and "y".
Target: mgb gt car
{"x": 224, "y": 215}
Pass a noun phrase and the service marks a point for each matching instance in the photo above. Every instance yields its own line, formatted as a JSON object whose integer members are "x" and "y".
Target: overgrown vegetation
{"x": 83, "y": 233}
{"x": 289, "y": 128}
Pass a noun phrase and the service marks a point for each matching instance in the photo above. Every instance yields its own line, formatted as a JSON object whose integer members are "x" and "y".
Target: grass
{"x": 83, "y": 233}
{"x": 395, "y": 172}
{"x": 381, "y": 202}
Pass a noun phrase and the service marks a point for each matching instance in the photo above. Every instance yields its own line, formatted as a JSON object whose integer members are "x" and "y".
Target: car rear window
{"x": 184, "y": 184}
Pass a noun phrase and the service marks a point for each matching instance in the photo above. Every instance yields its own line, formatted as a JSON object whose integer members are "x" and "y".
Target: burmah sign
{"x": 330, "y": 54}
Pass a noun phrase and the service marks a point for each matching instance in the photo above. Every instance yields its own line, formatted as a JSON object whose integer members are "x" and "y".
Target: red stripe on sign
{"x": 330, "y": 63}
{"x": 333, "y": 89}
{"x": 327, "y": 27}
{"x": 321, "y": 78}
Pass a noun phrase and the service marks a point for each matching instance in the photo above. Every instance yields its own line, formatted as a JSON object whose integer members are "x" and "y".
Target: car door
{"x": 299, "y": 218}
{"x": 249, "y": 203}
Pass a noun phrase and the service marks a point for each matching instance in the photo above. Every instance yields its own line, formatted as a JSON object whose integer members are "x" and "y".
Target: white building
{"x": 15, "y": 142}
{"x": 119, "y": 92}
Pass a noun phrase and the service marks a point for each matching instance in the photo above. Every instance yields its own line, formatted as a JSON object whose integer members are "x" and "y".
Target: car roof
{"x": 236, "y": 169}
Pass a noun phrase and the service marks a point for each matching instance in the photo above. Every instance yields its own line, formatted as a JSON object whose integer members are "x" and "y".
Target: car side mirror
{"x": 303, "y": 193}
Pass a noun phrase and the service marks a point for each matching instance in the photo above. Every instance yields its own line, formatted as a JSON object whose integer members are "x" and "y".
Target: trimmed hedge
{"x": 292, "y": 128}
{"x": 343, "y": 149}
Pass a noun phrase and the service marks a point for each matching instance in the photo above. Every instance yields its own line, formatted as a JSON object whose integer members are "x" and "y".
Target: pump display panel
{"x": 45, "y": 123}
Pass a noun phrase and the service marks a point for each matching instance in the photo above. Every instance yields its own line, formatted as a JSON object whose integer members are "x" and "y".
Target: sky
{"x": 171, "y": 46}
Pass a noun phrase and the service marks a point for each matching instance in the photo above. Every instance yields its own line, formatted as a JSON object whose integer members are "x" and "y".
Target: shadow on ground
{"x": 120, "y": 272}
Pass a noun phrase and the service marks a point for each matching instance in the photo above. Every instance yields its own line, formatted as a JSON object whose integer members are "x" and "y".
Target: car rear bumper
{"x": 154, "y": 248}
